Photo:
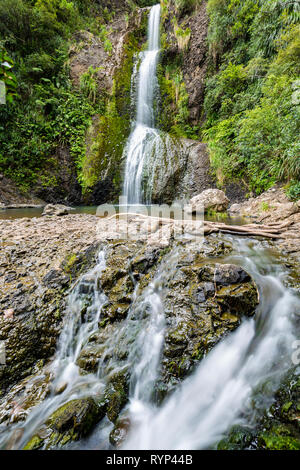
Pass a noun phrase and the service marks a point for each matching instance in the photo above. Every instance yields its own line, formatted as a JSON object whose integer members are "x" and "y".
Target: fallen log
{"x": 273, "y": 231}
{"x": 252, "y": 234}
{"x": 245, "y": 229}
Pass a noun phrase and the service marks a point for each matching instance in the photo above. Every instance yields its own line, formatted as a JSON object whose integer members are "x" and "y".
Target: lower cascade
{"x": 115, "y": 363}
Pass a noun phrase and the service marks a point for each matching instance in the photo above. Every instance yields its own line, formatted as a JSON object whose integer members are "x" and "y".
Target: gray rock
{"x": 210, "y": 199}
{"x": 235, "y": 208}
{"x": 56, "y": 210}
{"x": 223, "y": 274}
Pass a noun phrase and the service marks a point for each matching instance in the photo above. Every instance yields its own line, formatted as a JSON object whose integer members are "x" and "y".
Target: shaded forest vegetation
{"x": 249, "y": 116}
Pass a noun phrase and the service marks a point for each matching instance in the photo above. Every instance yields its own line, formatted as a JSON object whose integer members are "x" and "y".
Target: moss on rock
{"x": 71, "y": 421}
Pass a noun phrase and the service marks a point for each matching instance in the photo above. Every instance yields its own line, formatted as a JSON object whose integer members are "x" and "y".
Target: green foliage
{"x": 182, "y": 35}
{"x": 293, "y": 190}
{"x": 185, "y": 6}
{"x": 279, "y": 437}
{"x": 107, "y": 148}
{"x": 7, "y": 76}
{"x": 221, "y": 142}
{"x": 270, "y": 22}
{"x": 50, "y": 114}
{"x": 88, "y": 84}
{"x": 145, "y": 3}
{"x": 288, "y": 58}
{"x": 252, "y": 96}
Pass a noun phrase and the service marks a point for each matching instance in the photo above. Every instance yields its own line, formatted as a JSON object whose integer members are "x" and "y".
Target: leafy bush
{"x": 293, "y": 190}
{"x": 252, "y": 101}
{"x": 88, "y": 84}
{"x": 7, "y": 76}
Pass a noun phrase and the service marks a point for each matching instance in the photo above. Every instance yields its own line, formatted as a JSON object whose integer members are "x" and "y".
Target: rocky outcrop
{"x": 89, "y": 50}
{"x": 70, "y": 422}
{"x": 40, "y": 258}
{"x": 209, "y": 200}
{"x": 205, "y": 298}
{"x": 194, "y": 55}
{"x": 56, "y": 210}
{"x": 179, "y": 171}
{"x": 274, "y": 208}
{"x": 270, "y": 206}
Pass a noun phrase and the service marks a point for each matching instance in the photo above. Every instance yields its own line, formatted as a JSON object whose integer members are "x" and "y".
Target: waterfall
{"x": 226, "y": 388}
{"x": 222, "y": 390}
{"x": 84, "y": 305}
{"x": 144, "y": 135}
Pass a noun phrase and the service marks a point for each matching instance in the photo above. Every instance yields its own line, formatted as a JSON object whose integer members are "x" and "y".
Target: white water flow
{"x": 142, "y": 334}
{"x": 235, "y": 381}
{"x": 233, "y": 384}
{"x": 84, "y": 306}
{"x": 144, "y": 135}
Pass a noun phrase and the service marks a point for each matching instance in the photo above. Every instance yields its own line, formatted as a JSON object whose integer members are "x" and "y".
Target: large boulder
{"x": 56, "y": 209}
{"x": 205, "y": 302}
{"x": 71, "y": 421}
{"x": 210, "y": 199}
{"x": 182, "y": 171}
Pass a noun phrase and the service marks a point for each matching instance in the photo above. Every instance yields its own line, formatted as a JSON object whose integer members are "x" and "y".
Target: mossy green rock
{"x": 279, "y": 438}
{"x": 115, "y": 395}
{"x": 77, "y": 416}
{"x": 34, "y": 444}
{"x": 71, "y": 421}
{"x": 239, "y": 438}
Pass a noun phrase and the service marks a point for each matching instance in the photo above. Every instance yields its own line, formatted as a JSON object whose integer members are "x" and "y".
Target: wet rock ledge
{"x": 40, "y": 258}
{"x": 204, "y": 298}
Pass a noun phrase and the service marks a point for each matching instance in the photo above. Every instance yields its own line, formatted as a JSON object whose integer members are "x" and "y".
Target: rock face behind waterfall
{"x": 181, "y": 169}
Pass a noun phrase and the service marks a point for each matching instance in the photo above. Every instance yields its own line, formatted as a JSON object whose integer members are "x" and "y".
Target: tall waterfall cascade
{"x": 144, "y": 138}
{"x": 233, "y": 384}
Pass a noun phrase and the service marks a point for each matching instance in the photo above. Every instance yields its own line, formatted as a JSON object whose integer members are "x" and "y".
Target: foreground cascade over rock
{"x": 202, "y": 301}
{"x": 141, "y": 317}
